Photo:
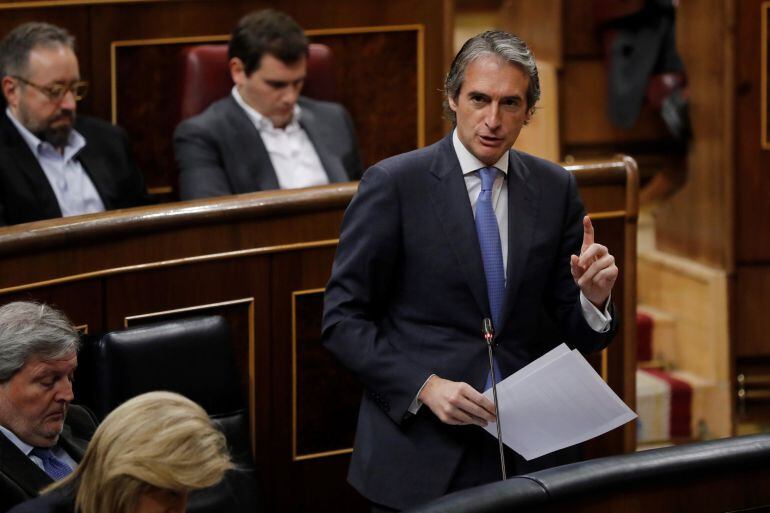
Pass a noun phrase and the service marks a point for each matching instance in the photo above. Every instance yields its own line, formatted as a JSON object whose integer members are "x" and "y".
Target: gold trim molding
{"x": 294, "y": 455}
{"x": 763, "y": 43}
{"x": 33, "y": 4}
{"x": 172, "y": 263}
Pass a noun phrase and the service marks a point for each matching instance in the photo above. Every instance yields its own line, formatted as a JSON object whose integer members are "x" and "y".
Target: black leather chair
{"x": 685, "y": 470}
{"x": 192, "y": 357}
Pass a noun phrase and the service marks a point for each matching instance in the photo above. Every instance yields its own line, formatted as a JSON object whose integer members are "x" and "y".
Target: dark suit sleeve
{"x": 133, "y": 189}
{"x": 358, "y": 297}
{"x": 201, "y": 170}
{"x": 563, "y": 301}
{"x": 352, "y": 160}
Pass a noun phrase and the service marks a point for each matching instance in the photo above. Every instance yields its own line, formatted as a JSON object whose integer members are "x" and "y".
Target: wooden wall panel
{"x": 318, "y": 460}
{"x": 584, "y": 111}
{"x": 697, "y": 222}
{"x": 752, "y": 339}
{"x": 581, "y": 39}
{"x": 752, "y": 181}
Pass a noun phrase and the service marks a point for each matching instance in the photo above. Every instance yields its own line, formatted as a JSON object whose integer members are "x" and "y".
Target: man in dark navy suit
{"x": 435, "y": 241}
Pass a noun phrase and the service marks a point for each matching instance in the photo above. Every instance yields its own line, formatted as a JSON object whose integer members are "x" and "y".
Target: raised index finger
{"x": 588, "y": 233}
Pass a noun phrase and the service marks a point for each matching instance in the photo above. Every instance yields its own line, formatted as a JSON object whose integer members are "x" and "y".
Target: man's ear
{"x": 237, "y": 70}
{"x": 11, "y": 91}
{"x": 452, "y": 103}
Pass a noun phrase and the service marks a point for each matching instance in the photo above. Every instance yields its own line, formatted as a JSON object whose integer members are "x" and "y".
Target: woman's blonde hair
{"x": 155, "y": 440}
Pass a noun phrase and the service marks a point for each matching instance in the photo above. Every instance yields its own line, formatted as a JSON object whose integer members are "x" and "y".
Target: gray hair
{"x": 493, "y": 42}
{"x": 33, "y": 329}
{"x": 18, "y": 43}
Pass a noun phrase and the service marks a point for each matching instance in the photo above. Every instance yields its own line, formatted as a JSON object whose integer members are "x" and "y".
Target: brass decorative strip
{"x": 326, "y": 454}
{"x": 162, "y": 313}
{"x": 62, "y": 3}
{"x": 294, "y": 455}
{"x": 172, "y": 263}
{"x": 364, "y": 30}
{"x": 764, "y": 13}
{"x": 216, "y": 38}
{"x": 610, "y": 214}
{"x": 605, "y": 365}
{"x": 166, "y": 189}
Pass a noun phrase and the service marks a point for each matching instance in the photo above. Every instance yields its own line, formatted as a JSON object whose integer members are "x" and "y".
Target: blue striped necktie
{"x": 491, "y": 252}
{"x": 53, "y": 466}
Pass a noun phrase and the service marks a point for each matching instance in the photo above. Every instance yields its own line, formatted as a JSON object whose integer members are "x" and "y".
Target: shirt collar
{"x": 468, "y": 161}
{"x": 261, "y": 122}
{"x": 15, "y": 440}
{"x": 75, "y": 143}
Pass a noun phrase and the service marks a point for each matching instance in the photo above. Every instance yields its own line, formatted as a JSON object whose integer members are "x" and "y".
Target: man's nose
{"x": 291, "y": 93}
{"x": 68, "y": 102}
{"x": 492, "y": 118}
{"x": 64, "y": 391}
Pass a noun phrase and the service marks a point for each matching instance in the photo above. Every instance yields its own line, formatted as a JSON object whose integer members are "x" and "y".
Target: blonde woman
{"x": 144, "y": 458}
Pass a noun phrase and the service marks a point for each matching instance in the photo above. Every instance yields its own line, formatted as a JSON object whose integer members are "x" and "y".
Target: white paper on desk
{"x": 555, "y": 402}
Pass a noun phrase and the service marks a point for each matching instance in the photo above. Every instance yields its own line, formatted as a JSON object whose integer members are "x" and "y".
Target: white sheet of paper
{"x": 555, "y": 402}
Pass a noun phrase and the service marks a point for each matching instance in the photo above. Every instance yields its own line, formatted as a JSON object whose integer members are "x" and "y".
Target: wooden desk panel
{"x": 261, "y": 260}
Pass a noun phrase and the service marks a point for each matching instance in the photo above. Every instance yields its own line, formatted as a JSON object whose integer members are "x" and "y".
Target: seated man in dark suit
{"x": 42, "y": 436}
{"x": 51, "y": 164}
{"x": 264, "y": 135}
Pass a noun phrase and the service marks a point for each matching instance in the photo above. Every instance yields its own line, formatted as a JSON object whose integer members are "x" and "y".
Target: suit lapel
{"x": 523, "y": 210}
{"x": 20, "y": 469}
{"x": 98, "y": 171}
{"x": 331, "y": 162}
{"x": 258, "y": 169}
{"x": 70, "y": 444}
{"x": 450, "y": 200}
{"x": 29, "y": 169}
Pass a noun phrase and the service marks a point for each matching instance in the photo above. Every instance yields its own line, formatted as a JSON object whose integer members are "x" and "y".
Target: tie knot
{"x": 43, "y": 453}
{"x": 488, "y": 175}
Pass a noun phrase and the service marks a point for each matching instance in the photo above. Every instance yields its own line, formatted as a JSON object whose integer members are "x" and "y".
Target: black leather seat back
{"x": 559, "y": 488}
{"x": 191, "y": 356}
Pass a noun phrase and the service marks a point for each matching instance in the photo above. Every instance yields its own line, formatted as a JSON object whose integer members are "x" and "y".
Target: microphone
{"x": 488, "y": 331}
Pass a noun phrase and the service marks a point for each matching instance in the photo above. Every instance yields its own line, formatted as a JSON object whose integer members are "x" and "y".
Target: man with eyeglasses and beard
{"x": 52, "y": 162}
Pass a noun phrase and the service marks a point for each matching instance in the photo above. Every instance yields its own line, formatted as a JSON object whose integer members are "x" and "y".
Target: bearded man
{"x": 52, "y": 162}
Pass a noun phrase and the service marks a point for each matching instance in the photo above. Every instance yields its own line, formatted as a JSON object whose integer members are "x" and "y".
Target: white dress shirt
{"x": 71, "y": 185}
{"x": 26, "y": 449}
{"x": 291, "y": 152}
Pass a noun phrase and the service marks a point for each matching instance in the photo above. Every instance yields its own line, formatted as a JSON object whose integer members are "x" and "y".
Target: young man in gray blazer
{"x": 264, "y": 135}
{"x": 437, "y": 240}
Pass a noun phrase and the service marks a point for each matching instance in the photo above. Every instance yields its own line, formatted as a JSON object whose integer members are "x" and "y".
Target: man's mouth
{"x": 489, "y": 140}
{"x": 64, "y": 117}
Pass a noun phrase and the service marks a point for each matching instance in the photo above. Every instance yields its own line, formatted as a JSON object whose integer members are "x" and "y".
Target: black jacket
{"x": 25, "y": 193}
{"x": 21, "y": 479}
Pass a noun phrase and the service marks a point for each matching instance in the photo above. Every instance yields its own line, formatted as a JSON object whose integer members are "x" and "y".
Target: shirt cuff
{"x": 598, "y": 321}
{"x": 416, "y": 403}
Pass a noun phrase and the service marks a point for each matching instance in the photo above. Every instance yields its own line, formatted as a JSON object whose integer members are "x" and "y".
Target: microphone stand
{"x": 489, "y": 333}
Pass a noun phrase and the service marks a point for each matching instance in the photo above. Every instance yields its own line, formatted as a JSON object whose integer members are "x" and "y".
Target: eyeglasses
{"x": 57, "y": 92}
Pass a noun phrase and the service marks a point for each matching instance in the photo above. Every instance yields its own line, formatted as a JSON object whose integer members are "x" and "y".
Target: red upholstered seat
{"x": 206, "y": 76}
